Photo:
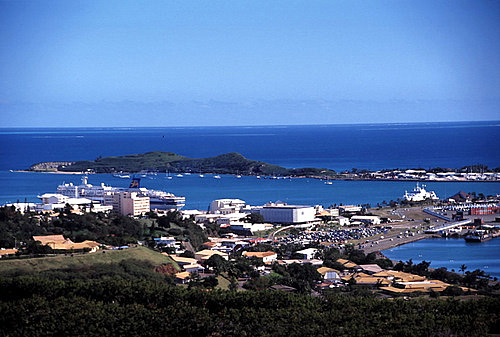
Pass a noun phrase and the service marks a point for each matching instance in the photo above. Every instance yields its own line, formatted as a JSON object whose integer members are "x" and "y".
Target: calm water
{"x": 199, "y": 192}
{"x": 452, "y": 253}
{"x": 337, "y": 147}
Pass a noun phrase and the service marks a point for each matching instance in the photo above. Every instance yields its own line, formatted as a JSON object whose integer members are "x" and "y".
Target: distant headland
{"x": 229, "y": 163}
{"x": 237, "y": 164}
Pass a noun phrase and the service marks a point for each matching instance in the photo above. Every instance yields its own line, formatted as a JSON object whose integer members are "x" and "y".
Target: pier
{"x": 448, "y": 226}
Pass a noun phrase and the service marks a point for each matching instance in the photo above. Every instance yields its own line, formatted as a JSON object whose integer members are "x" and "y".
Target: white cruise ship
{"x": 419, "y": 194}
{"x": 104, "y": 194}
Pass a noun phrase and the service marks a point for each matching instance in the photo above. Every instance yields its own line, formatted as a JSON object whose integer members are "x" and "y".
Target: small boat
{"x": 238, "y": 176}
{"x": 179, "y": 176}
{"x": 216, "y": 177}
{"x": 202, "y": 176}
{"x": 258, "y": 177}
{"x": 169, "y": 177}
{"x": 477, "y": 237}
{"x": 328, "y": 183}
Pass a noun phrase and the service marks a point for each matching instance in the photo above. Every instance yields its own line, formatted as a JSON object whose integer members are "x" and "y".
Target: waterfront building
{"x": 287, "y": 214}
{"x": 57, "y": 201}
{"x": 349, "y": 209}
{"x": 226, "y": 206}
{"x": 367, "y": 219}
{"x": 130, "y": 203}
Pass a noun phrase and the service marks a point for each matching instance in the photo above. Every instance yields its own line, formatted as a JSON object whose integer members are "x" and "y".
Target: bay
{"x": 451, "y": 253}
{"x": 199, "y": 192}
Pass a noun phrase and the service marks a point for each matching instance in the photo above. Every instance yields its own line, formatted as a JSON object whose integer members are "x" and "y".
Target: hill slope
{"x": 229, "y": 163}
{"x": 23, "y": 266}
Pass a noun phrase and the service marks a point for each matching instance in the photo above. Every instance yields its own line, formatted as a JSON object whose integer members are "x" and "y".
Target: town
{"x": 277, "y": 246}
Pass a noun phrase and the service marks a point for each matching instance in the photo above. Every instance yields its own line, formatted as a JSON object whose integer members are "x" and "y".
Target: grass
{"x": 65, "y": 261}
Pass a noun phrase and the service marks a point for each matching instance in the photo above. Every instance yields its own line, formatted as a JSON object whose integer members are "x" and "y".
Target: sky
{"x": 202, "y": 63}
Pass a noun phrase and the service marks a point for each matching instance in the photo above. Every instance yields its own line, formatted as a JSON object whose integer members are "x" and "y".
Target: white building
{"x": 350, "y": 208}
{"x": 267, "y": 257}
{"x": 225, "y": 206}
{"x": 130, "y": 203}
{"x": 308, "y": 253}
{"x": 287, "y": 214}
{"x": 343, "y": 221}
{"x": 54, "y": 201}
{"x": 368, "y": 219}
{"x": 250, "y": 227}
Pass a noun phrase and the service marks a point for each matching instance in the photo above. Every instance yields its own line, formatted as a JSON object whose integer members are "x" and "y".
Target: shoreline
{"x": 281, "y": 177}
{"x": 387, "y": 244}
{"x": 50, "y": 172}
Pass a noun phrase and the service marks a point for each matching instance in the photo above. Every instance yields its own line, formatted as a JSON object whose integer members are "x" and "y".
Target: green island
{"x": 229, "y": 163}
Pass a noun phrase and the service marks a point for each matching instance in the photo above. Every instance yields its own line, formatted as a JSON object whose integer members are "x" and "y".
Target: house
{"x": 267, "y": 257}
{"x": 182, "y": 277}
{"x": 314, "y": 262}
{"x": 182, "y": 261}
{"x": 193, "y": 268}
{"x": 329, "y": 274}
{"x": 58, "y": 242}
{"x": 6, "y": 252}
{"x": 348, "y": 264}
{"x": 165, "y": 241}
{"x": 205, "y": 254}
{"x": 365, "y": 279}
{"x": 371, "y": 268}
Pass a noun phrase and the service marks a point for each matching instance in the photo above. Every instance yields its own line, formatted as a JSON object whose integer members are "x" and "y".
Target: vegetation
{"x": 82, "y": 262}
{"x": 229, "y": 163}
{"x": 115, "y": 306}
{"x": 115, "y": 230}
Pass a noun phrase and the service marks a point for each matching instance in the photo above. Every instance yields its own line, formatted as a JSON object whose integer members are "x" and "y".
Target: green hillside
{"x": 229, "y": 163}
{"x": 23, "y": 266}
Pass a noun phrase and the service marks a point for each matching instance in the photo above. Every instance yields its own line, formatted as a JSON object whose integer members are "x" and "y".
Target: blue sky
{"x": 181, "y": 63}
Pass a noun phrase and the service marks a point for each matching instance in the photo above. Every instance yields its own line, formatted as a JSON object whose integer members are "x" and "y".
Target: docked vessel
{"x": 477, "y": 237}
{"x": 419, "y": 194}
{"x": 104, "y": 194}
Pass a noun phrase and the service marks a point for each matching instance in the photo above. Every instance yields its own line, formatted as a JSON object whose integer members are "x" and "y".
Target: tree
{"x": 217, "y": 263}
{"x": 463, "y": 268}
{"x": 187, "y": 253}
{"x": 254, "y": 218}
{"x": 210, "y": 282}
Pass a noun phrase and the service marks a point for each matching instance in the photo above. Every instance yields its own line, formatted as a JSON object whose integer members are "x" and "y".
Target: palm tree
{"x": 463, "y": 268}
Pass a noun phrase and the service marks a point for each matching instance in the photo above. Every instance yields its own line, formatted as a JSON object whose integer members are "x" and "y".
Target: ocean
{"x": 451, "y": 253}
{"x": 337, "y": 147}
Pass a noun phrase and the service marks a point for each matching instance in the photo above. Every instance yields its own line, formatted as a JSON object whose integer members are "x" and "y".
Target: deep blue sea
{"x": 337, "y": 147}
{"x": 451, "y": 253}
